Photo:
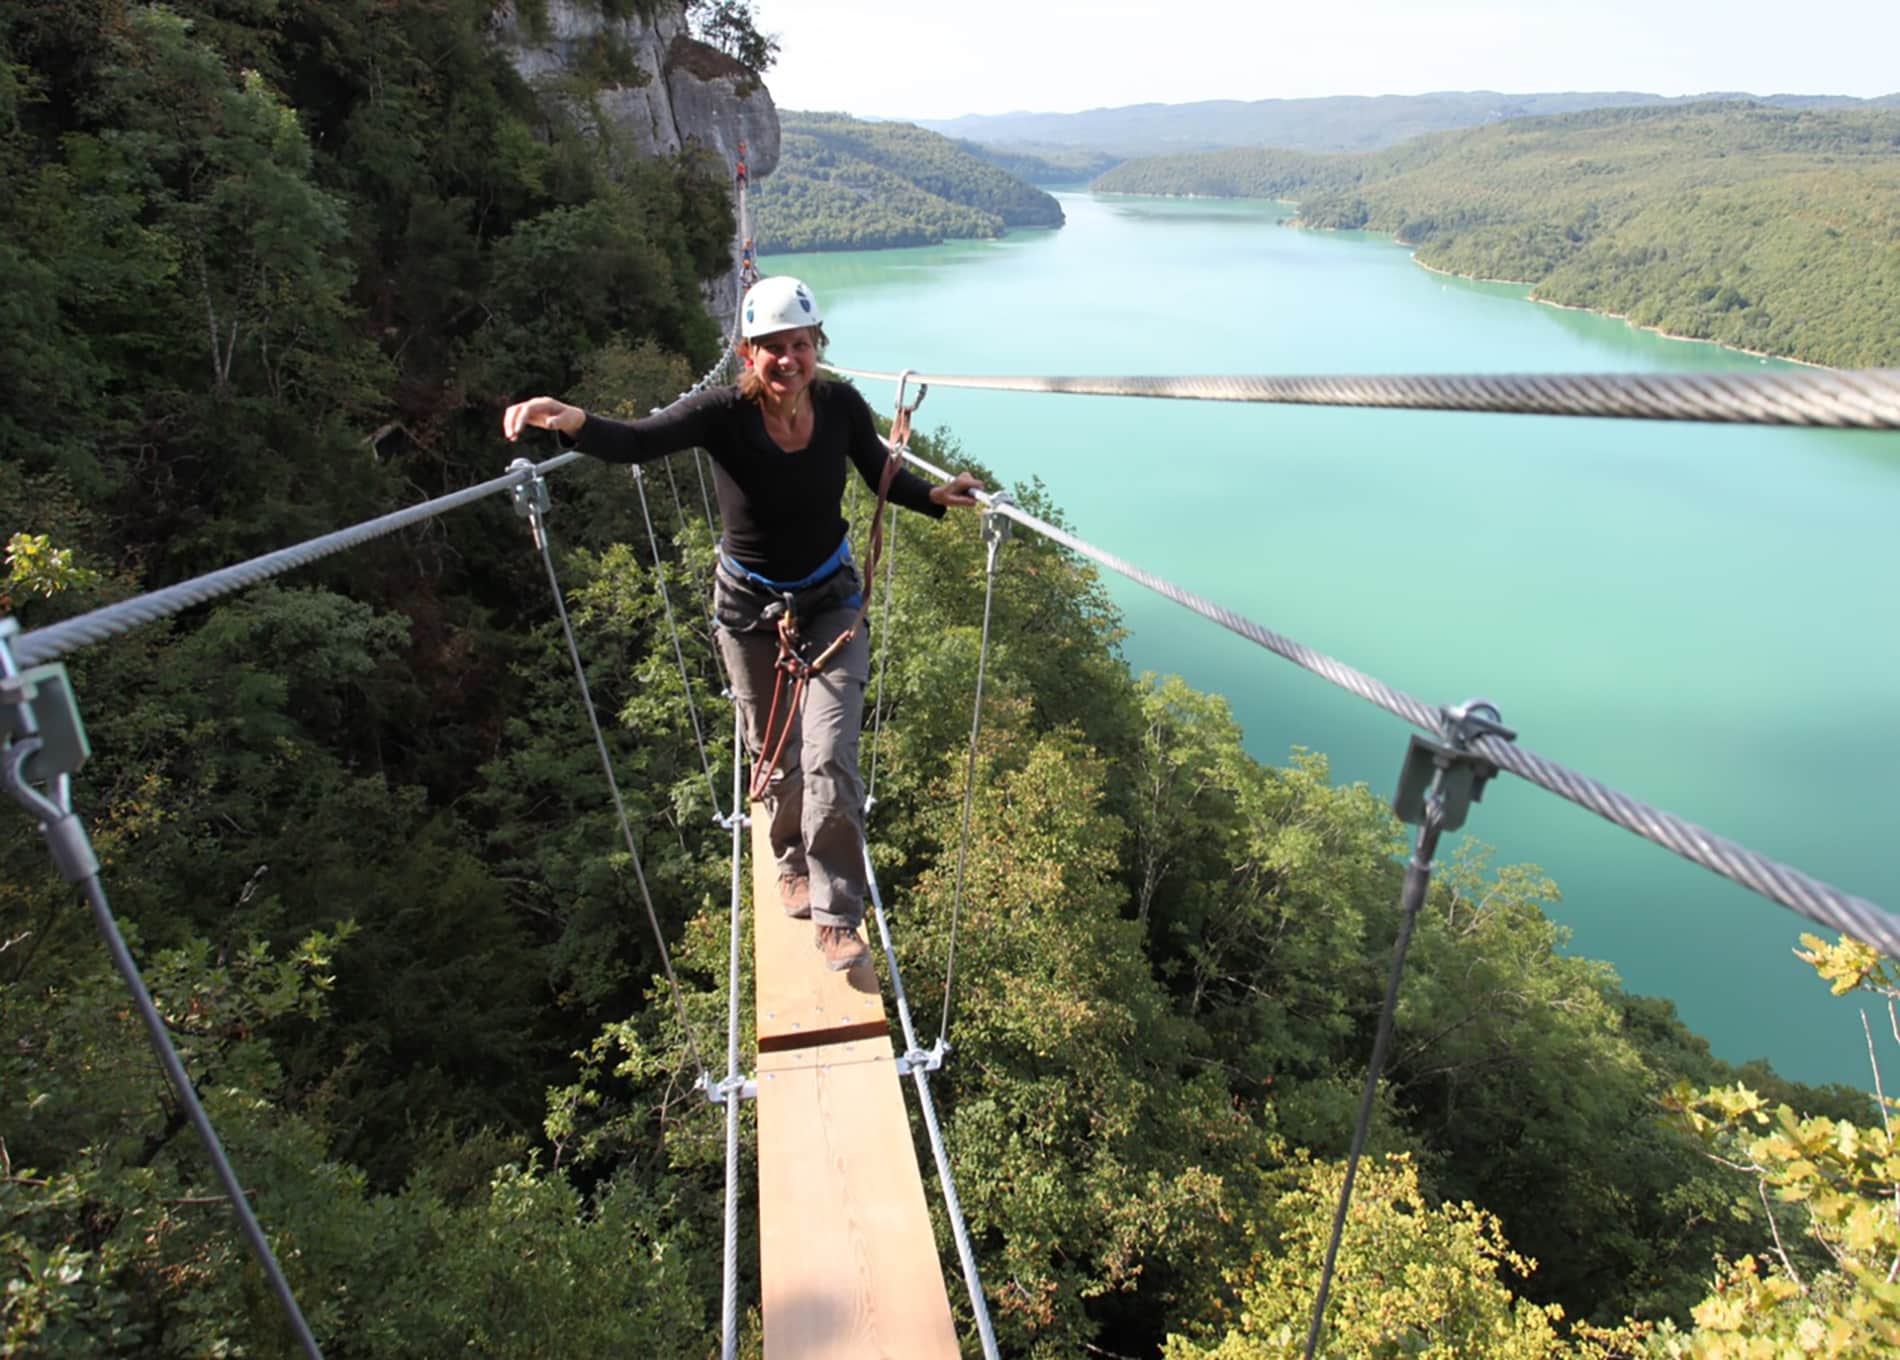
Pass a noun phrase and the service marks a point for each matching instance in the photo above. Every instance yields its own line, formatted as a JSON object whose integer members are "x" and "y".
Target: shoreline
{"x": 1594, "y": 311}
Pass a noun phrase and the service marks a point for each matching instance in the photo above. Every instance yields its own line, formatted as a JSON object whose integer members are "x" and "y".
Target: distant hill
{"x": 842, "y": 184}
{"x": 1037, "y": 164}
{"x": 1336, "y": 123}
{"x": 1773, "y": 229}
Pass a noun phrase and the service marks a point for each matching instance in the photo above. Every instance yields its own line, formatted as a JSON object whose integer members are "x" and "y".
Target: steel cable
{"x": 56, "y": 640}
{"x": 731, "y": 1087}
{"x": 1820, "y": 902}
{"x": 969, "y": 782}
{"x": 679, "y": 653}
{"x": 920, "y": 1076}
{"x": 883, "y": 653}
{"x": 1862, "y": 399}
{"x": 613, "y": 787}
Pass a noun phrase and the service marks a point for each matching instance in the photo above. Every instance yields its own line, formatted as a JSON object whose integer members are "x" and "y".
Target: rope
{"x": 729, "y": 1305}
{"x": 195, "y": 1111}
{"x": 969, "y": 780}
{"x": 919, "y": 1063}
{"x": 705, "y": 501}
{"x": 679, "y": 653}
{"x": 883, "y": 654}
{"x": 613, "y": 786}
{"x": 1864, "y": 399}
{"x": 1820, "y": 902}
{"x": 1417, "y": 880}
{"x": 56, "y": 640}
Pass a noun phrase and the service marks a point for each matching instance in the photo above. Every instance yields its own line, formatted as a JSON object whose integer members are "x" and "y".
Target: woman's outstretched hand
{"x": 544, "y": 413}
{"x": 956, "y": 491}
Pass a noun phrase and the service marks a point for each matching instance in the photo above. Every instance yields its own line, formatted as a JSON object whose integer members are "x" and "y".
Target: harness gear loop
{"x": 791, "y": 663}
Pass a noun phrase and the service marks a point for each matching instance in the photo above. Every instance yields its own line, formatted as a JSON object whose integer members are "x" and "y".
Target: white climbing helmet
{"x": 777, "y": 304}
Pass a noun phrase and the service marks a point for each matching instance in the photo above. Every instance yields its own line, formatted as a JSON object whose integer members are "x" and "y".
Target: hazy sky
{"x": 903, "y": 58}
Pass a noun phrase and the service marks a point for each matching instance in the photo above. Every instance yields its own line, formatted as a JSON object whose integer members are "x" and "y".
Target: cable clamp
{"x": 923, "y": 1060}
{"x": 45, "y": 745}
{"x": 530, "y": 494}
{"x": 721, "y": 1091}
{"x": 1449, "y": 773}
{"x": 731, "y": 821}
{"x": 997, "y": 524}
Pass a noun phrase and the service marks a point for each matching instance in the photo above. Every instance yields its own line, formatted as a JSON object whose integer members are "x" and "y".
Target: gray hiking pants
{"x": 815, "y": 801}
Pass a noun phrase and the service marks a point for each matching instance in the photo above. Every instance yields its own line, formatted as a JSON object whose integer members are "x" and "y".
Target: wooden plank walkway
{"x": 848, "y": 1265}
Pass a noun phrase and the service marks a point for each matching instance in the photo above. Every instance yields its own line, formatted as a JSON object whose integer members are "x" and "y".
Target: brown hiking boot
{"x": 842, "y": 948}
{"x": 794, "y": 894}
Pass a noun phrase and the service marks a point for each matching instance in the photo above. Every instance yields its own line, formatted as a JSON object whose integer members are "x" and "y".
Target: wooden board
{"x": 848, "y": 1266}
{"x": 800, "y": 1002}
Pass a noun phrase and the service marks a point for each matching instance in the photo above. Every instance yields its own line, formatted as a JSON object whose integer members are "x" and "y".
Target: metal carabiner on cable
{"x": 901, "y": 414}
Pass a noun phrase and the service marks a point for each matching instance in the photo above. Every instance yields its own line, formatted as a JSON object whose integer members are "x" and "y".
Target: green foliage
{"x": 1760, "y": 227}
{"x": 843, "y": 184}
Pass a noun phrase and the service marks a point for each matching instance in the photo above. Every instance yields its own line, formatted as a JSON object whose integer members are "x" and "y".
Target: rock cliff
{"x": 650, "y": 80}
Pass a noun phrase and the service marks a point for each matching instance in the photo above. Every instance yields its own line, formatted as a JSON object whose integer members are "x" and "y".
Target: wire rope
{"x": 919, "y": 1064}
{"x": 883, "y": 653}
{"x": 995, "y": 545}
{"x": 1819, "y": 901}
{"x": 732, "y": 1086}
{"x": 1863, "y": 399}
{"x": 539, "y": 527}
{"x": 679, "y": 652}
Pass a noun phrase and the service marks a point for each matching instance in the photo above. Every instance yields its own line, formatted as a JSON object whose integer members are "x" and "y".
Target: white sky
{"x": 917, "y": 59}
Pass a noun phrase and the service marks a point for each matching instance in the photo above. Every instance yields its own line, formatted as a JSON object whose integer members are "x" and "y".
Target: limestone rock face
{"x": 662, "y": 90}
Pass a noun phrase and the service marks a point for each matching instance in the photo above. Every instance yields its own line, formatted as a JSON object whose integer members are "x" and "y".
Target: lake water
{"x": 1702, "y": 616}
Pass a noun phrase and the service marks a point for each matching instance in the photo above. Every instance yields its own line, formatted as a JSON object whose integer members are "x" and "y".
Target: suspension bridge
{"x": 847, "y": 1258}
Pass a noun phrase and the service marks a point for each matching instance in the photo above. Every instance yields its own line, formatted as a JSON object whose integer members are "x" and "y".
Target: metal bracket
{"x": 42, "y": 705}
{"x": 719, "y": 1092}
{"x": 46, "y": 745}
{"x": 530, "y": 495}
{"x": 1448, "y": 773}
{"x": 730, "y": 821}
{"x": 923, "y": 1060}
{"x": 996, "y": 524}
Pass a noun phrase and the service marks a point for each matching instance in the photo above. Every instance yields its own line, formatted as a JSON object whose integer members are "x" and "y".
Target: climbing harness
{"x": 793, "y": 671}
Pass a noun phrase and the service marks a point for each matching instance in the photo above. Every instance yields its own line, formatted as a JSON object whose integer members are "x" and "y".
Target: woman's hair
{"x": 752, "y": 386}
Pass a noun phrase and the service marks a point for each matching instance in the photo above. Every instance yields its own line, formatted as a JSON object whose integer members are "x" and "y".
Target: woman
{"x": 783, "y": 442}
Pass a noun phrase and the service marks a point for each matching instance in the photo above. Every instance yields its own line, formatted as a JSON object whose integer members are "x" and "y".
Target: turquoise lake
{"x": 1704, "y": 617}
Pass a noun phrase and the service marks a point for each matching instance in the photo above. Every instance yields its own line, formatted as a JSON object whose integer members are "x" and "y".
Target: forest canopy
{"x": 1769, "y": 229}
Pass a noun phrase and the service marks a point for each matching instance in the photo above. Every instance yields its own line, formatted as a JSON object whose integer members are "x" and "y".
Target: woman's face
{"x": 786, "y": 361}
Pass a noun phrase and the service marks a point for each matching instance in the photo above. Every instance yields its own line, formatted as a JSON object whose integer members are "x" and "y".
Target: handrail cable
{"x": 33, "y": 706}
{"x": 920, "y": 1064}
{"x": 1862, "y": 399}
{"x": 56, "y": 640}
{"x": 679, "y": 653}
{"x": 883, "y": 652}
{"x": 1781, "y": 883}
{"x": 995, "y": 534}
{"x": 534, "y": 506}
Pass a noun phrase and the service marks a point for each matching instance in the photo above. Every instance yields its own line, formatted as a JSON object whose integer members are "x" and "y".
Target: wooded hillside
{"x": 844, "y": 184}
{"x": 1759, "y": 227}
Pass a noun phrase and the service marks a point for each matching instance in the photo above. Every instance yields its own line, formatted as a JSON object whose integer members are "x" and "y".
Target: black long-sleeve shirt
{"x": 783, "y": 512}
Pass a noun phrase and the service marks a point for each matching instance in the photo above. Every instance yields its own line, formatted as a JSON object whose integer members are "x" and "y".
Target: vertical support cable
{"x": 883, "y": 652}
{"x": 533, "y": 509}
{"x": 920, "y": 1064}
{"x": 699, "y": 467}
{"x": 729, "y": 1308}
{"x": 666, "y": 600}
{"x": 72, "y": 852}
{"x": 1437, "y": 786}
{"x": 995, "y": 534}
{"x": 1418, "y": 877}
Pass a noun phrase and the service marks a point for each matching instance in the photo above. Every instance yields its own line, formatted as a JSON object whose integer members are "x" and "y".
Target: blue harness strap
{"x": 831, "y": 566}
